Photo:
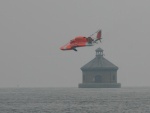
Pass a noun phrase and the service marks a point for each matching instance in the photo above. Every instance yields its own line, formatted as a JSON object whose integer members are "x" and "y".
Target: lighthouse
{"x": 99, "y": 73}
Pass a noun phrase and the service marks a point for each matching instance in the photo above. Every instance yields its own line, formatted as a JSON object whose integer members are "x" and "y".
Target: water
{"x": 74, "y": 100}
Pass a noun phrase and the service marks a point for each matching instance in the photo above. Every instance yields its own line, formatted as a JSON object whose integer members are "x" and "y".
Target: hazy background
{"x": 32, "y": 31}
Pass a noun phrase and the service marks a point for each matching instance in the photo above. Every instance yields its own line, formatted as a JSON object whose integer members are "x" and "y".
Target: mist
{"x": 31, "y": 33}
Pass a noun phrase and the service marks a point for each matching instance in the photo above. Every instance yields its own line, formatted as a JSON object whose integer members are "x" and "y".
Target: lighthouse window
{"x": 98, "y": 79}
{"x": 83, "y": 77}
{"x": 114, "y": 78}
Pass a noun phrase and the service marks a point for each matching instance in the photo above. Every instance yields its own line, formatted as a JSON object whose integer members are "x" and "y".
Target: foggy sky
{"x": 32, "y": 31}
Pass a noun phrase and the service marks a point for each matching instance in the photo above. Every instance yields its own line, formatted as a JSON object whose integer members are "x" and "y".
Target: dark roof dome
{"x": 99, "y": 50}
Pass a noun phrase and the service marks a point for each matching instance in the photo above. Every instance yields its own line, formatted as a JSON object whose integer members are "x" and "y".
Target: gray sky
{"x": 31, "y": 32}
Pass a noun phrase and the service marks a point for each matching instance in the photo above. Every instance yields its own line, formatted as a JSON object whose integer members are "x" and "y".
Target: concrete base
{"x": 99, "y": 85}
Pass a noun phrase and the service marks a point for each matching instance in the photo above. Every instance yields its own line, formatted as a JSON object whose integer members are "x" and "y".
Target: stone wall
{"x": 107, "y": 76}
{"x": 99, "y": 85}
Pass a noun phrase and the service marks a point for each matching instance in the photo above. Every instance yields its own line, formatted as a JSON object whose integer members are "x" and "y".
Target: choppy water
{"x": 74, "y": 100}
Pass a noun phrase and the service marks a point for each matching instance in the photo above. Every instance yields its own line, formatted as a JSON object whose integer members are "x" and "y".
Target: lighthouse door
{"x": 98, "y": 79}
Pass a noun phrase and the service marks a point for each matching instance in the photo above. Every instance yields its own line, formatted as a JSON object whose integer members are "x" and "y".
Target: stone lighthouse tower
{"x": 99, "y": 73}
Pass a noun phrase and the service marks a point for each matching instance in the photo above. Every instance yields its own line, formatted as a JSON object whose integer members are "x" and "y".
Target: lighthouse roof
{"x": 99, "y": 62}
